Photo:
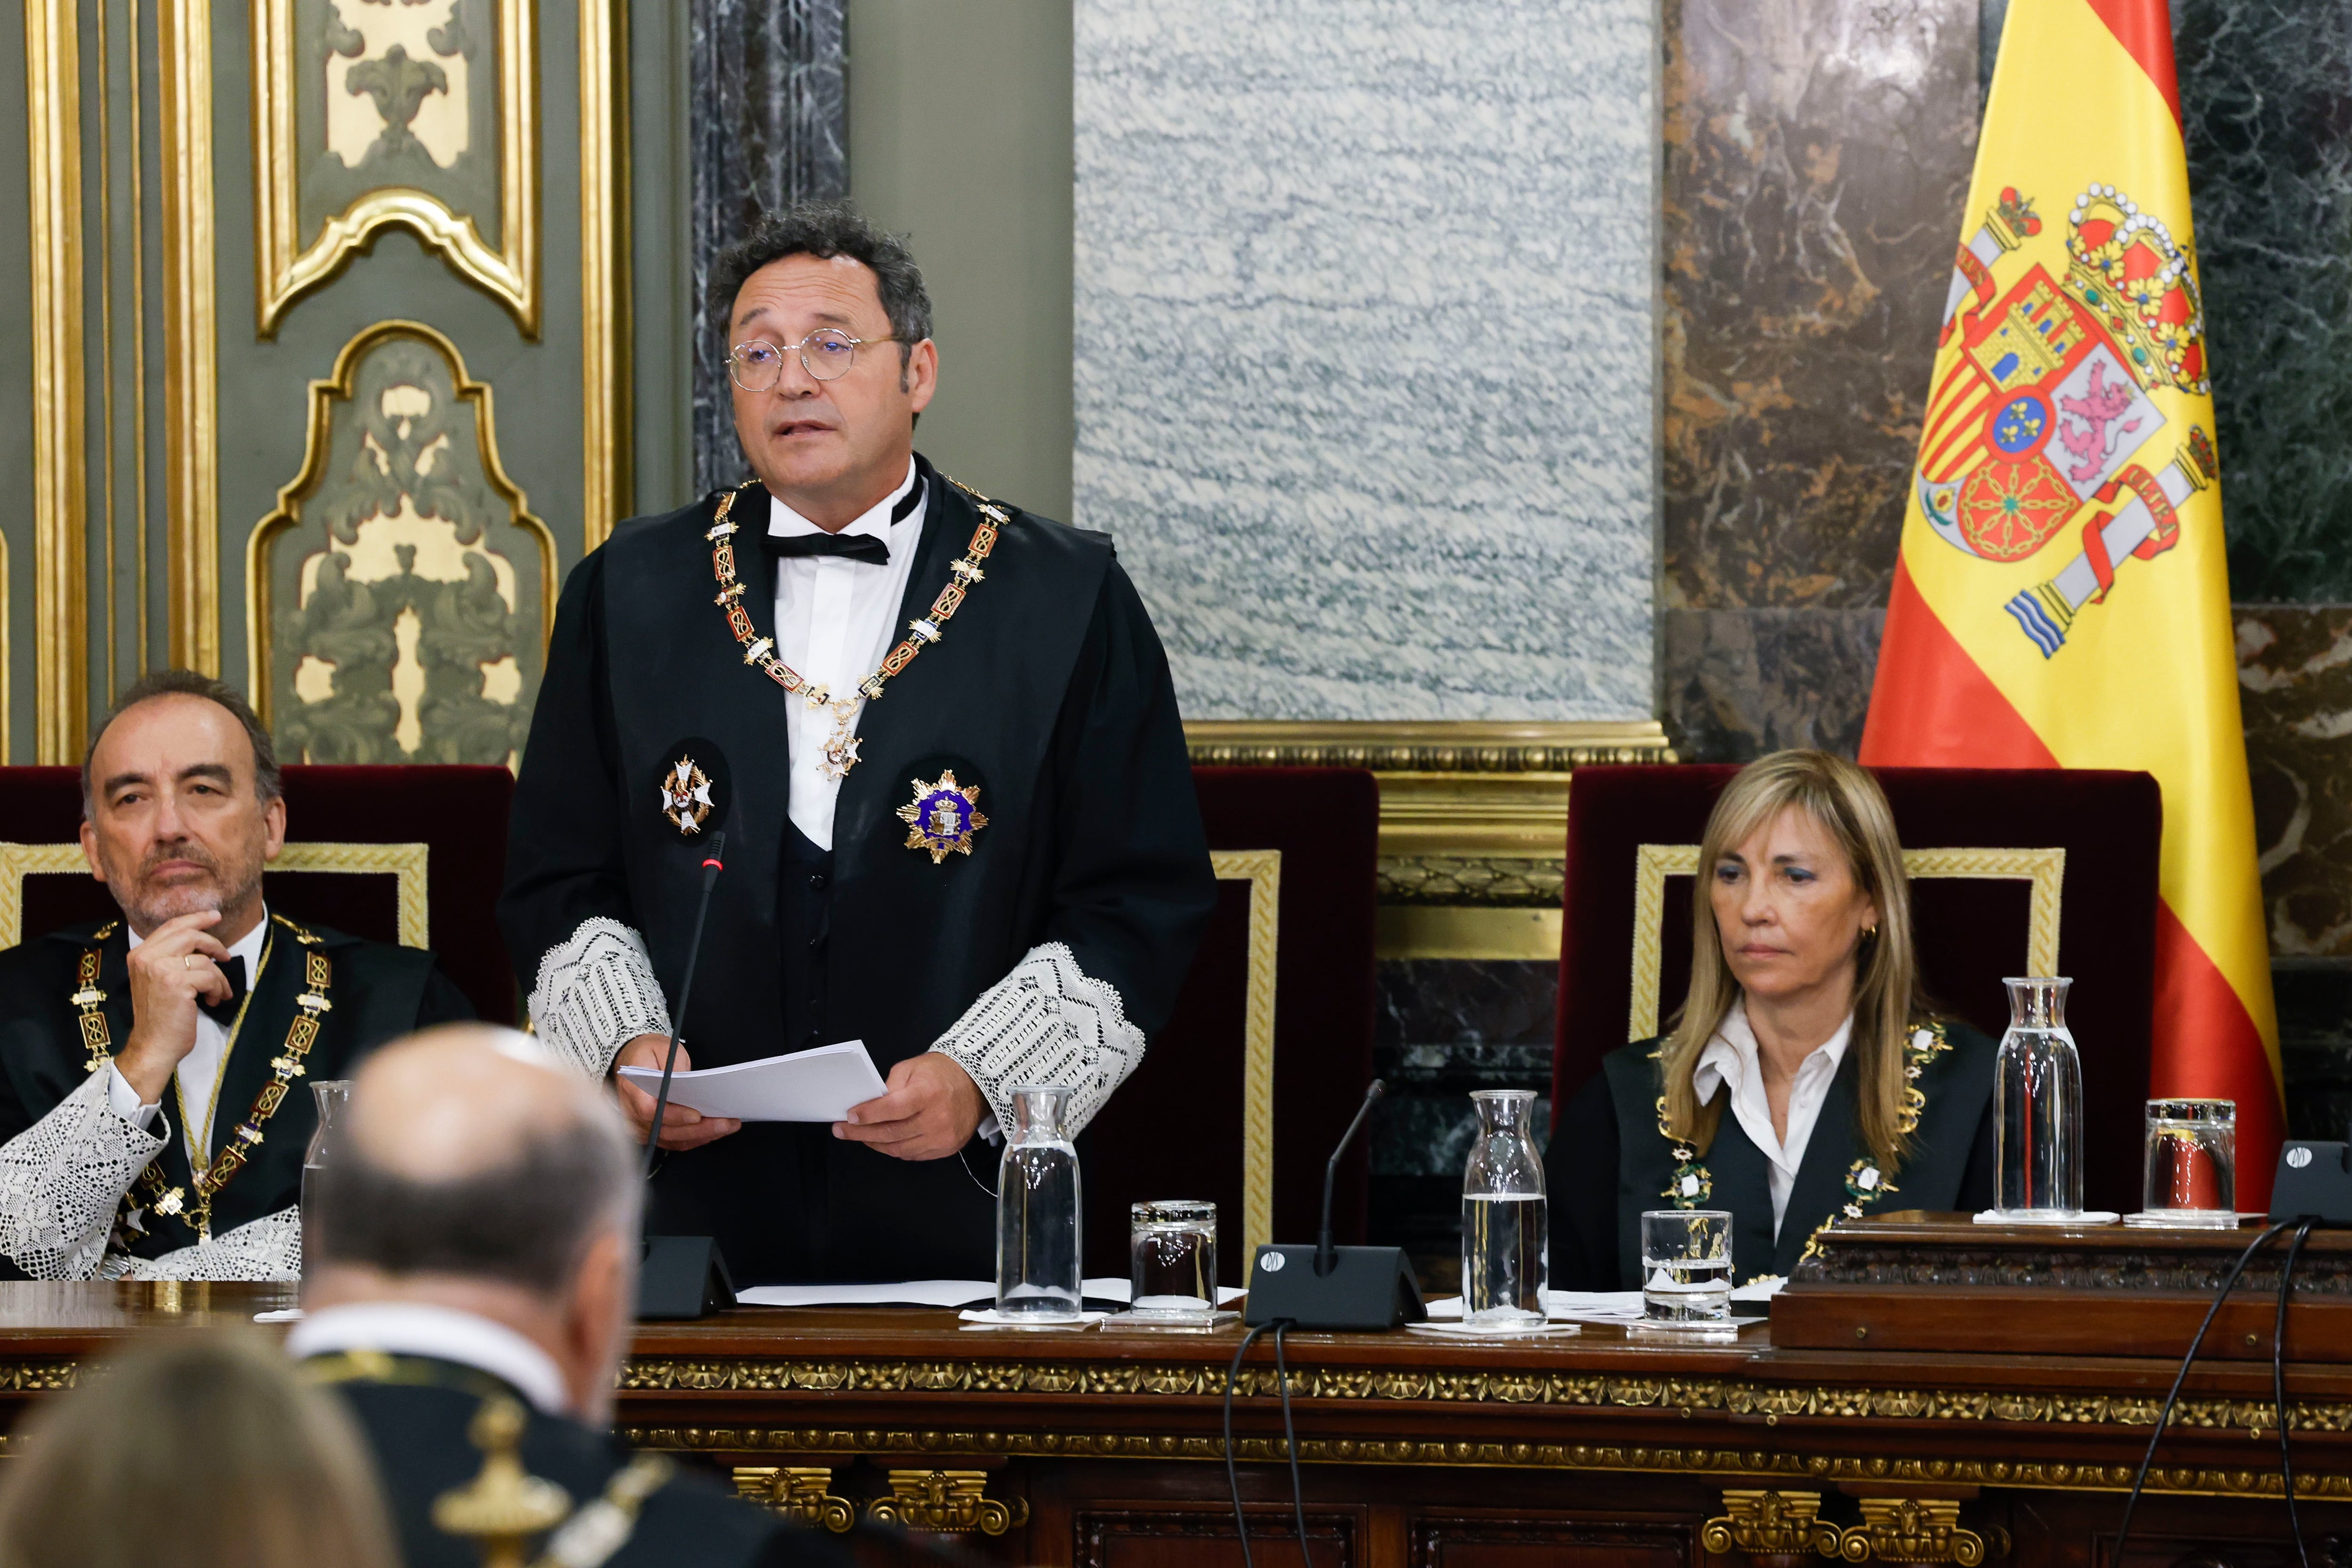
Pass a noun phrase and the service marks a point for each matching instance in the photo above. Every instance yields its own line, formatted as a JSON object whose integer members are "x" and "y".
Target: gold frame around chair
{"x": 405, "y": 862}
{"x": 1652, "y": 864}
{"x": 1262, "y": 868}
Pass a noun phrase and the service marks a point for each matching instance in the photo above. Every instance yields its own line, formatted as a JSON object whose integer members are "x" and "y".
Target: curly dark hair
{"x": 824, "y": 230}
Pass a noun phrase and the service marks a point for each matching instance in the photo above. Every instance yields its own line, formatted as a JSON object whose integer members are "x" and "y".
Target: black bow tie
{"x": 856, "y": 547}
{"x": 225, "y": 1013}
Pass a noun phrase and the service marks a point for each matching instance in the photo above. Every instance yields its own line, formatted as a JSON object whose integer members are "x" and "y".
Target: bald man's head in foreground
{"x": 477, "y": 1174}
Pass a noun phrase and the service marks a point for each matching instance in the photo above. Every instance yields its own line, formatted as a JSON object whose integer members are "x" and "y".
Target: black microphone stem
{"x": 711, "y": 867}
{"x": 1325, "y": 1254}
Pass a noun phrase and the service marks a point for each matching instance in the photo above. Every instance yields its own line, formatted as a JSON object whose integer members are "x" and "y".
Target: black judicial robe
{"x": 1049, "y": 690}
{"x": 415, "y": 1413}
{"x": 1608, "y": 1162}
{"x": 376, "y": 992}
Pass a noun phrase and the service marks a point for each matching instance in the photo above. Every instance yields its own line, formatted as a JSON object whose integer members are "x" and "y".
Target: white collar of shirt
{"x": 444, "y": 1334}
{"x": 1731, "y": 1057}
{"x": 835, "y": 618}
{"x": 199, "y": 1070}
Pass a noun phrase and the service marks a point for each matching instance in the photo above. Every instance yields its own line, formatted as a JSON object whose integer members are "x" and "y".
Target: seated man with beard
{"x": 153, "y": 1101}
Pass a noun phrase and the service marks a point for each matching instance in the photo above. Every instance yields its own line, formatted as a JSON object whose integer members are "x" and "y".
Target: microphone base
{"x": 2319, "y": 1187}
{"x": 1368, "y": 1288}
{"x": 682, "y": 1278}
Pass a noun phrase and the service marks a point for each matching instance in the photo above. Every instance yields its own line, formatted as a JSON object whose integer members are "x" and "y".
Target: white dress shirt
{"x": 835, "y": 620}
{"x": 199, "y": 1070}
{"x": 1731, "y": 1058}
{"x": 444, "y": 1334}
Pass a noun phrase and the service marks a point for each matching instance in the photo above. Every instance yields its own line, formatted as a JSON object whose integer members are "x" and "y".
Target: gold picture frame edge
{"x": 2044, "y": 867}
{"x": 1262, "y": 868}
{"x": 407, "y": 863}
{"x": 285, "y": 269}
{"x": 342, "y": 383}
{"x": 60, "y": 457}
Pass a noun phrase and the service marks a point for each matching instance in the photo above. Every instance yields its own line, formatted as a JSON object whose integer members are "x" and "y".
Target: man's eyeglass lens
{"x": 825, "y": 354}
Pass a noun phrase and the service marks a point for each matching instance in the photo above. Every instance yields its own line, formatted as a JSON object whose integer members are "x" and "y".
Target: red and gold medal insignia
{"x": 943, "y": 817}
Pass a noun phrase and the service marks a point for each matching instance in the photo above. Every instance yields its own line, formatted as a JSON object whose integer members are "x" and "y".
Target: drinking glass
{"x": 1686, "y": 1265}
{"x": 2191, "y": 1175}
{"x": 1505, "y": 1228}
{"x": 1037, "y": 1210}
{"x": 2037, "y": 1097}
{"x": 334, "y": 1098}
{"x": 1173, "y": 1260}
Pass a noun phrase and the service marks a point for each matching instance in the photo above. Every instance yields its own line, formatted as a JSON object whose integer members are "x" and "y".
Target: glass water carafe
{"x": 2037, "y": 1099}
{"x": 1037, "y": 1210}
{"x": 1505, "y": 1229}
{"x": 333, "y": 1096}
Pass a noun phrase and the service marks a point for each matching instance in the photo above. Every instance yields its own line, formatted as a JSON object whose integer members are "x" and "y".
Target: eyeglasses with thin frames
{"x": 825, "y": 354}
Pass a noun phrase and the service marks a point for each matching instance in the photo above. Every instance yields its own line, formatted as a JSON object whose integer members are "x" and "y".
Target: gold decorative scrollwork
{"x": 1917, "y": 1530}
{"x": 800, "y": 1492}
{"x": 1782, "y": 1523}
{"x": 950, "y": 1501}
{"x": 453, "y": 149}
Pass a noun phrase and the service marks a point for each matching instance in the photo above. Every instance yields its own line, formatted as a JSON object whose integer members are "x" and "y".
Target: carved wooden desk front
{"x": 1103, "y": 1446}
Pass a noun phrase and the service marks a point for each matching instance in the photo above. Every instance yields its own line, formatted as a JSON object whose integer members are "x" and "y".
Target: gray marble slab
{"x": 1365, "y": 354}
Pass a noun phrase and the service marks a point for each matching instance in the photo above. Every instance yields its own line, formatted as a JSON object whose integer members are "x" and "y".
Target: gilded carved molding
{"x": 1780, "y": 1523}
{"x": 184, "y": 32}
{"x": 606, "y": 439}
{"x": 803, "y": 1493}
{"x": 2044, "y": 868}
{"x": 406, "y": 864}
{"x": 449, "y": 151}
{"x": 409, "y": 623}
{"x": 949, "y": 1502}
{"x": 1262, "y": 868}
{"x": 60, "y": 493}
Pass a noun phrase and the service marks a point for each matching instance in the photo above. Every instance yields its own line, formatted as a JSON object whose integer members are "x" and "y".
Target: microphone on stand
{"x": 1327, "y": 1287}
{"x": 711, "y": 866}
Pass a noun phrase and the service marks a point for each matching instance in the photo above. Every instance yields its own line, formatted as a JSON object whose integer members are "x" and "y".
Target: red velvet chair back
{"x": 1972, "y": 930}
{"x": 1179, "y": 1127}
{"x": 459, "y": 812}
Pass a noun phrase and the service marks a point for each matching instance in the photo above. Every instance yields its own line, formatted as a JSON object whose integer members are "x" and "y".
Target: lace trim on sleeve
{"x": 1046, "y": 1022}
{"x": 62, "y": 1181}
{"x": 596, "y": 992}
{"x": 269, "y": 1247}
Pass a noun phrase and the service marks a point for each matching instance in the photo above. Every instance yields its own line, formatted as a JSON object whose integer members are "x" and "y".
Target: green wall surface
{"x": 959, "y": 137}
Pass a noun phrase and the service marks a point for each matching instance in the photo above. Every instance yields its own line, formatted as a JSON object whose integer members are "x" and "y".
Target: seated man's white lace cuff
{"x": 269, "y": 1247}
{"x": 1046, "y": 1022}
{"x": 596, "y": 992}
{"x": 62, "y": 1179}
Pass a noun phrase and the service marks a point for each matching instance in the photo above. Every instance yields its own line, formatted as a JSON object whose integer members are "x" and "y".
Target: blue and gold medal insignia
{"x": 943, "y": 817}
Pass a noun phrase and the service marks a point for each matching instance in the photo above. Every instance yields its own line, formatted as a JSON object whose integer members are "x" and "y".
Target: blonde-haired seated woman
{"x": 1806, "y": 1077}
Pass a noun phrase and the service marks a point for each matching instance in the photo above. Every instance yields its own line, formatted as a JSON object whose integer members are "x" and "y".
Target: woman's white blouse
{"x": 1730, "y": 1057}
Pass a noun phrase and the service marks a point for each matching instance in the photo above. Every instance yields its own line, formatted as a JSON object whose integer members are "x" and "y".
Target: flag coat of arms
{"x": 2062, "y": 597}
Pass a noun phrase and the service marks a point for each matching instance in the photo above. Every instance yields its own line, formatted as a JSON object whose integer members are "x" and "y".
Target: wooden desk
{"x": 1103, "y": 1447}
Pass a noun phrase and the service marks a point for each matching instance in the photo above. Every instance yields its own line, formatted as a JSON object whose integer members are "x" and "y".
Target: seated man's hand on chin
{"x": 928, "y": 1110}
{"x": 681, "y": 1128}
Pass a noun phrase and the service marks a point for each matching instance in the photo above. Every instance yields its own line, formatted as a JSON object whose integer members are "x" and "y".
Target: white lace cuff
{"x": 62, "y": 1179}
{"x": 1046, "y": 1022}
{"x": 596, "y": 992}
{"x": 269, "y": 1247}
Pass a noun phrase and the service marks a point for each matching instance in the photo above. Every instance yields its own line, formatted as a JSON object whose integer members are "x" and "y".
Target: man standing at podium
{"x": 940, "y": 738}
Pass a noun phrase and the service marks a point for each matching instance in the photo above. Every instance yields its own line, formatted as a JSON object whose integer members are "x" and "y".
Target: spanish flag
{"x": 2062, "y": 597}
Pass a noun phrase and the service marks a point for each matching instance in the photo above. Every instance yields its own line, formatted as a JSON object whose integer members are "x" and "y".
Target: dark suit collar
{"x": 1830, "y": 1153}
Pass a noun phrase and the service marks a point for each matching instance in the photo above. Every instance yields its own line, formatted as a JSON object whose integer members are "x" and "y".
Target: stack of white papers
{"x": 818, "y": 1086}
{"x": 922, "y": 1293}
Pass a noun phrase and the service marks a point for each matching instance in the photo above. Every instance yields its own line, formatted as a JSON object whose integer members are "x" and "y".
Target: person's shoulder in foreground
{"x": 472, "y": 1294}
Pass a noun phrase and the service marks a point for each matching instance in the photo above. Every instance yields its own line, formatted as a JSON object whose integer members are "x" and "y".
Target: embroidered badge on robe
{"x": 693, "y": 786}
{"x": 943, "y": 817}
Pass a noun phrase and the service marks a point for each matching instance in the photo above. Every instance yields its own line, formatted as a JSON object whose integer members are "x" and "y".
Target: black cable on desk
{"x": 2278, "y": 1386}
{"x": 1232, "y": 1472}
{"x": 2164, "y": 1416}
{"x": 1290, "y": 1444}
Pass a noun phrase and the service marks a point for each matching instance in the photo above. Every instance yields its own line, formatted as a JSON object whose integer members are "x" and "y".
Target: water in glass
{"x": 1037, "y": 1210}
{"x": 1172, "y": 1259}
{"x": 334, "y": 1098}
{"x": 1505, "y": 1227}
{"x": 2037, "y": 1099}
{"x": 1685, "y": 1266}
{"x": 2192, "y": 1173}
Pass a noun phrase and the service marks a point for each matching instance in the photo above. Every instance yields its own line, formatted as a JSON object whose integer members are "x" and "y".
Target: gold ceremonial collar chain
{"x": 213, "y": 1175}
{"x": 841, "y": 747}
